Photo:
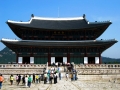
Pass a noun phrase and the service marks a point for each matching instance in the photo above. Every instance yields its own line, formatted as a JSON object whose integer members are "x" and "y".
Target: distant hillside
{"x": 110, "y": 60}
{"x": 6, "y": 55}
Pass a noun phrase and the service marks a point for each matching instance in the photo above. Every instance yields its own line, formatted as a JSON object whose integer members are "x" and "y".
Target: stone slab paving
{"x": 63, "y": 85}
{"x": 68, "y": 85}
{"x": 40, "y": 86}
{"x": 97, "y": 85}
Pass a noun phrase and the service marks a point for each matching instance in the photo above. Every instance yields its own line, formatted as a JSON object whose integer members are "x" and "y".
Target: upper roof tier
{"x": 58, "y": 23}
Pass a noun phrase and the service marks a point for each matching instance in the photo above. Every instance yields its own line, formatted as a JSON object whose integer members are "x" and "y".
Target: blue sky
{"x": 95, "y": 10}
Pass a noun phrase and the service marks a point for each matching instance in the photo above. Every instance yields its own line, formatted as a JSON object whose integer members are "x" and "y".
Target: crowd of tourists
{"x": 48, "y": 76}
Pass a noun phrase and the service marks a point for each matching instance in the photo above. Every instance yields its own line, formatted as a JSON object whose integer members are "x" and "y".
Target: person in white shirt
{"x": 26, "y": 80}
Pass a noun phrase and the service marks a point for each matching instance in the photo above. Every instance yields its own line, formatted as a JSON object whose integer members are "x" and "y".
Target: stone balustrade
{"x": 82, "y": 69}
{"x": 97, "y": 69}
{"x": 97, "y": 66}
{"x": 21, "y": 71}
{"x": 7, "y": 69}
{"x": 23, "y": 66}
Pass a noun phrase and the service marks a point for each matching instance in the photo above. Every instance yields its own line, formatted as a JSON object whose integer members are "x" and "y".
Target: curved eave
{"x": 58, "y": 43}
{"x": 103, "y": 44}
{"x": 103, "y": 28}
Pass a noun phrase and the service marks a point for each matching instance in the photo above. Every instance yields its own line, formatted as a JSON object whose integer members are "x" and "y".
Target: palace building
{"x": 62, "y": 40}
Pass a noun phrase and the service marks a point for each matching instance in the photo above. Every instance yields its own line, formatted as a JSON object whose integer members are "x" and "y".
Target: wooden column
{"x": 85, "y": 52}
{"x": 100, "y": 59}
{"x": 68, "y": 56}
{"x": 30, "y": 51}
{"x": 16, "y": 57}
{"x": 49, "y": 57}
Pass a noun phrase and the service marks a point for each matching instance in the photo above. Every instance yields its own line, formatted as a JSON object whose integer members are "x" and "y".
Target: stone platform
{"x": 90, "y": 77}
{"x": 80, "y": 84}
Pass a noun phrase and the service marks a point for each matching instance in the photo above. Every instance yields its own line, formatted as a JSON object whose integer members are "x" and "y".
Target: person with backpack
{"x": 1, "y": 80}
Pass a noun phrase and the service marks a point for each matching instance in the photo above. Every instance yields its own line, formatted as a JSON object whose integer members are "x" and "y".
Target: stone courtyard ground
{"x": 68, "y": 85}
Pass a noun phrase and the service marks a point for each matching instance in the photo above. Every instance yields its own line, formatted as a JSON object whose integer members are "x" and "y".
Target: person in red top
{"x": 1, "y": 80}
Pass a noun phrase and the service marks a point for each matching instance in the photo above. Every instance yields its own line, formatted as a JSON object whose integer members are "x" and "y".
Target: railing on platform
{"x": 82, "y": 69}
{"x": 23, "y": 66}
{"x": 84, "y": 66}
{"x": 97, "y": 65}
{"x": 8, "y": 69}
{"x": 97, "y": 69}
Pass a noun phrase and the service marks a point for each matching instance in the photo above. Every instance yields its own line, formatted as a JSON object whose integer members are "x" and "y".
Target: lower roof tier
{"x": 50, "y": 43}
